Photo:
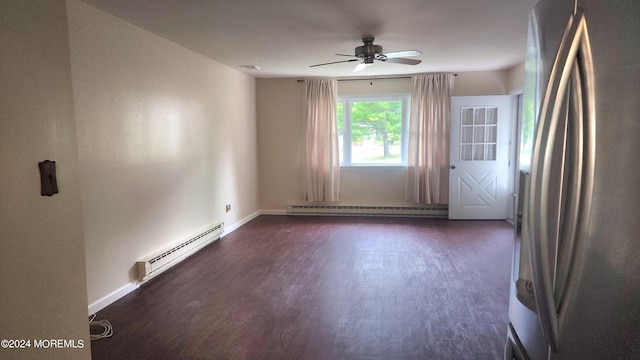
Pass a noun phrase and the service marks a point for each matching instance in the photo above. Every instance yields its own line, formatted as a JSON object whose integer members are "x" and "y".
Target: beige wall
{"x": 279, "y": 105}
{"x": 516, "y": 78}
{"x": 42, "y": 268}
{"x": 280, "y": 130}
{"x": 166, "y": 138}
{"x": 479, "y": 83}
{"x": 372, "y": 87}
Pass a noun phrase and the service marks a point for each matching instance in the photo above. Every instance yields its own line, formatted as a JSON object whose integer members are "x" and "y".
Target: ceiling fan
{"x": 369, "y": 52}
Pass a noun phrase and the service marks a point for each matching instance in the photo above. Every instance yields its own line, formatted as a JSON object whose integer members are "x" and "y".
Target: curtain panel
{"x": 321, "y": 178}
{"x": 428, "y": 147}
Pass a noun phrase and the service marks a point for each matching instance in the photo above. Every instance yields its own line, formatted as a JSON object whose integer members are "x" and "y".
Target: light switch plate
{"x": 48, "y": 182}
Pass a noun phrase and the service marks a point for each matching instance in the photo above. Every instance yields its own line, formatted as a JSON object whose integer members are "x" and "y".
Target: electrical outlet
{"x": 227, "y": 207}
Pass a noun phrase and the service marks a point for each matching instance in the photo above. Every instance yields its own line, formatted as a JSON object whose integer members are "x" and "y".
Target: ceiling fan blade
{"x": 403, "y": 61}
{"x": 335, "y": 62}
{"x": 397, "y": 54}
{"x": 345, "y": 55}
{"x": 360, "y": 67}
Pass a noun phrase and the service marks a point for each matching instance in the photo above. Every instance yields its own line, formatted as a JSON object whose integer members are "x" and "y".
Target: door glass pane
{"x": 478, "y": 116}
{"x": 490, "y": 153}
{"x": 478, "y": 152}
{"x": 467, "y": 134}
{"x": 492, "y": 115}
{"x": 466, "y": 152}
{"x": 478, "y": 134}
{"x": 467, "y": 116}
{"x": 491, "y": 133}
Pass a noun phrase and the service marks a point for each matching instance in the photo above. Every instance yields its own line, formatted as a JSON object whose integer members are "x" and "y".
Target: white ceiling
{"x": 284, "y": 37}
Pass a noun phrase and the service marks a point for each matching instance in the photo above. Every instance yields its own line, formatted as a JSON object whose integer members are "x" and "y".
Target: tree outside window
{"x": 372, "y": 130}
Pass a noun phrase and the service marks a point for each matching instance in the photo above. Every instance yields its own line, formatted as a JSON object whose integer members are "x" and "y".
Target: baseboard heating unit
{"x": 154, "y": 265}
{"x": 436, "y": 211}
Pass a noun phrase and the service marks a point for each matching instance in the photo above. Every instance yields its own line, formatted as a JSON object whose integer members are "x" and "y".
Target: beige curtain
{"x": 321, "y": 159}
{"x": 428, "y": 148}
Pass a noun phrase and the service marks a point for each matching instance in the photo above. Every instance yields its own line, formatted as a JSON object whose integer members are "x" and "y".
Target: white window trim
{"x": 346, "y": 136}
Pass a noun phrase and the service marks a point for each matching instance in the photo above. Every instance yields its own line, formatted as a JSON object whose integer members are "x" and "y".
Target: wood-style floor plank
{"x": 285, "y": 287}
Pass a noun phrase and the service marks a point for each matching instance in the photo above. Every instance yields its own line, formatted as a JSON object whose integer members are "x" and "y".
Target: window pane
{"x": 466, "y": 152}
{"x": 490, "y": 153}
{"x": 478, "y": 117}
{"x": 467, "y": 116}
{"x": 376, "y": 132}
{"x": 478, "y": 152}
{"x": 492, "y": 115}
{"x": 466, "y": 134}
{"x": 491, "y": 134}
{"x": 478, "y": 134}
{"x": 340, "y": 125}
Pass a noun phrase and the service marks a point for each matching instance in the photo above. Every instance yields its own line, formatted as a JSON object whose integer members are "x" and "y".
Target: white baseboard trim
{"x": 134, "y": 285}
{"x": 113, "y": 297}
{"x": 233, "y": 227}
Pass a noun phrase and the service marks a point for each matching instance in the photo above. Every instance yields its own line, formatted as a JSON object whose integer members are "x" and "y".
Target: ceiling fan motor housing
{"x": 368, "y": 51}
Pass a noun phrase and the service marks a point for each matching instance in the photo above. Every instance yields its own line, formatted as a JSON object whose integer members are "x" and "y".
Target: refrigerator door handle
{"x": 574, "y": 51}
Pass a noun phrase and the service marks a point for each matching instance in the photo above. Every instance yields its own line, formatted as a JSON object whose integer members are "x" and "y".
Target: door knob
{"x": 453, "y": 167}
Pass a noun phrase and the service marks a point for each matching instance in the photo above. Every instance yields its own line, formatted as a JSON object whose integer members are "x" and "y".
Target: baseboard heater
{"x": 436, "y": 211}
{"x": 163, "y": 260}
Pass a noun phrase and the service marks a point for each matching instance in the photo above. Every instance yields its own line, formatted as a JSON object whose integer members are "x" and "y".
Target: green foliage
{"x": 376, "y": 118}
{"x": 379, "y": 119}
{"x": 527, "y": 135}
{"x": 340, "y": 117}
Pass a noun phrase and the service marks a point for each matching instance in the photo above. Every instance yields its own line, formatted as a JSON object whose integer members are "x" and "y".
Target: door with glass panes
{"x": 479, "y": 157}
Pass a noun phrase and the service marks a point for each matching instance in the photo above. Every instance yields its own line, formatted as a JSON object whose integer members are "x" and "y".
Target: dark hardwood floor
{"x": 285, "y": 287}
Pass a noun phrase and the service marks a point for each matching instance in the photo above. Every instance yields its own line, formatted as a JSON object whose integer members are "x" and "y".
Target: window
{"x": 372, "y": 130}
{"x": 527, "y": 123}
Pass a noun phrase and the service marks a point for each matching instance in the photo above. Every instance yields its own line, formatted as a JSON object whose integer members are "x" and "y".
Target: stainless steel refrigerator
{"x": 575, "y": 291}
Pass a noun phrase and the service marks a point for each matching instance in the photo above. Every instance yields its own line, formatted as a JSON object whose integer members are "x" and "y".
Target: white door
{"x": 479, "y": 157}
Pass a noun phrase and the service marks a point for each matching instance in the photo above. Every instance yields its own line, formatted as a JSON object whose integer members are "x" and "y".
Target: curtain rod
{"x": 372, "y": 79}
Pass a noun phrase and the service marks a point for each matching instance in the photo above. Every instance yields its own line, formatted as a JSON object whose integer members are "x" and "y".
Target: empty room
{"x": 317, "y": 180}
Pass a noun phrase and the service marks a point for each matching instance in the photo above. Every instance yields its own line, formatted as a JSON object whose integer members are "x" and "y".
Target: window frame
{"x": 347, "y": 101}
